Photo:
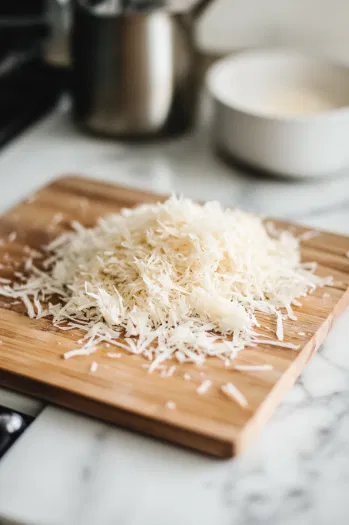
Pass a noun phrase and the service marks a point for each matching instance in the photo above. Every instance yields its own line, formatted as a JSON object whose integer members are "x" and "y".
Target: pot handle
{"x": 200, "y": 7}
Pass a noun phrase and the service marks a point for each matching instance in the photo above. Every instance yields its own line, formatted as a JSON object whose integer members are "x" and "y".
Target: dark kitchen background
{"x": 28, "y": 85}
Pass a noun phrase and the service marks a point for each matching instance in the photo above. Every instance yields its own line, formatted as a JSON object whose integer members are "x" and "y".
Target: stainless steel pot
{"x": 134, "y": 72}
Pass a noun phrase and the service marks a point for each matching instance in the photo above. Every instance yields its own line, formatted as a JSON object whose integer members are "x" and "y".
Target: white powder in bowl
{"x": 299, "y": 102}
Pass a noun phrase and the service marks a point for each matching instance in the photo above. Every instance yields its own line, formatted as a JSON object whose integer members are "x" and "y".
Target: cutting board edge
{"x": 288, "y": 379}
{"x": 115, "y": 186}
{"x": 60, "y": 180}
{"x": 212, "y": 445}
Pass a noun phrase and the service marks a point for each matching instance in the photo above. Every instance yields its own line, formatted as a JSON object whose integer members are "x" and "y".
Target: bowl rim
{"x": 281, "y": 52}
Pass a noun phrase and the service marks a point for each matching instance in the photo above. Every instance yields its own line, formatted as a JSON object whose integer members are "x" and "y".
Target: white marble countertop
{"x": 71, "y": 470}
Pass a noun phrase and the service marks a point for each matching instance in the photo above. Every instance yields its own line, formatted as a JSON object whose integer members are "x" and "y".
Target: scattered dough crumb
{"x": 12, "y": 237}
{"x": 306, "y": 236}
{"x": 171, "y": 371}
{"x": 93, "y": 367}
{"x": 204, "y": 387}
{"x": 234, "y": 393}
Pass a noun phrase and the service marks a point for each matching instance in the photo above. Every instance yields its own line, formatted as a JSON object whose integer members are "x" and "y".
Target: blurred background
{"x": 320, "y": 25}
{"x": 34, "y": 56}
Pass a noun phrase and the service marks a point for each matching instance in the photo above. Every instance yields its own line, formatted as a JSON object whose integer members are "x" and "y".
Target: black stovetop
{"x": 25, "y": 96}
{"x": 29, "y": 87}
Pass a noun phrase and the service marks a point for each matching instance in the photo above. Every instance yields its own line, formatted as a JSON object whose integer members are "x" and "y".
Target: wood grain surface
{"x": 121, "y": 391}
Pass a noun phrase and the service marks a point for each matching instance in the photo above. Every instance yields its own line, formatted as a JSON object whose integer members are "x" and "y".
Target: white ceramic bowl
{"x": 282, "y": 111}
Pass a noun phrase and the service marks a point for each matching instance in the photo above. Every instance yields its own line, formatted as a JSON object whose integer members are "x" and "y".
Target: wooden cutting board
{"x": 121, "y": 391}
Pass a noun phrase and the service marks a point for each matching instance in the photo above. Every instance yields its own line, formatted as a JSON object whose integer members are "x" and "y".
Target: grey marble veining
{"x": 70, "y": 470}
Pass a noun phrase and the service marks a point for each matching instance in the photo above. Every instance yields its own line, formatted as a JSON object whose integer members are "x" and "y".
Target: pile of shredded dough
{"x": 169, "y": 280}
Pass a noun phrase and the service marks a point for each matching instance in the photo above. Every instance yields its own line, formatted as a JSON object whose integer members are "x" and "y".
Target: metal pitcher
{"x": 134, "y": 71}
